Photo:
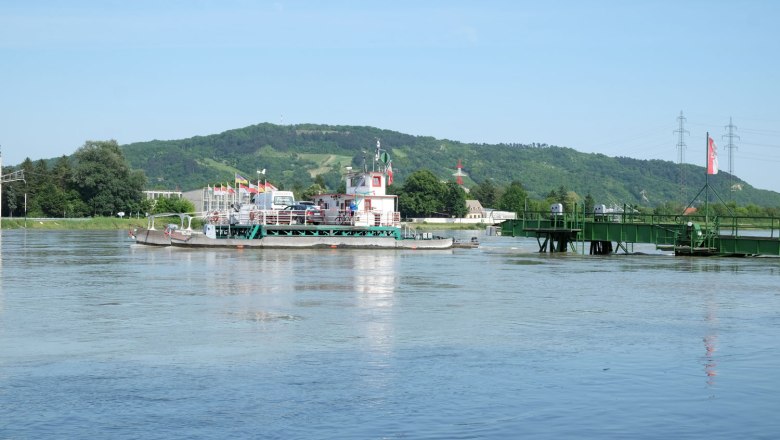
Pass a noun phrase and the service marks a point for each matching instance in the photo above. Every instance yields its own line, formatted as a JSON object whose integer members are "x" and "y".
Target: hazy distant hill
{"x": 294, "y": 155}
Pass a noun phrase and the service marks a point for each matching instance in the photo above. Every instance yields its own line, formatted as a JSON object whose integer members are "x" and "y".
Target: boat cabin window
{"x": 377, "y": 181}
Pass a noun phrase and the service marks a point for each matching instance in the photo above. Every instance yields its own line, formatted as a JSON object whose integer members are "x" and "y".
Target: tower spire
{"x": 459, "y": 174}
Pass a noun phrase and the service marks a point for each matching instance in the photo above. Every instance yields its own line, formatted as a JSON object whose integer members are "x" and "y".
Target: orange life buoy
{"x": 214, "y": 216}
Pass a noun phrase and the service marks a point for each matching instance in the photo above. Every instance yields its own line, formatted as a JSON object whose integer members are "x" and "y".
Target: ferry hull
{"x": 201, "y": 241}
{"x": 152, "y": 237}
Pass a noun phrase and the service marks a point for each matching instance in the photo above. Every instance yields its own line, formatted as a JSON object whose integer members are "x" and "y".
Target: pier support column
{"x": 555, "y": 241}
{"x": 600, "y": 247}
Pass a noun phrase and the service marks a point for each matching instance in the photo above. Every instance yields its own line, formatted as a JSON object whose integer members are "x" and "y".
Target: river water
{"x": 102, "y": 338}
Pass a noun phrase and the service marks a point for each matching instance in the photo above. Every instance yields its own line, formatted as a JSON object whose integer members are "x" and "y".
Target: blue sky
{"x": 597, "y": 76}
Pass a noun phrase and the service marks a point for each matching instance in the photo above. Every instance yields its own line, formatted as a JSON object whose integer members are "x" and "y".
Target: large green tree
{"x": 17, "y": 195}
{"x": 104, "y": 179}
{"x": 312, "y": 191}
{"x": 422, "y": 195}
{"x": 455, "y": 200}
{"x": 589, "y": 203}
{"x": 514, "y": 198}
{"x": 50, "y": 201}
{"x": 486, "y": 192}
{"x": 12, "y": 195}
{"x": 62, "y": 173}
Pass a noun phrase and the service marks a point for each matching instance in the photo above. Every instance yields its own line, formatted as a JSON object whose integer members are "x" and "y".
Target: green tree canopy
{"x": 62, "y": 173}
{"x": 589, "y": 204}
{"x": 312, "y": 191}
{"x": 172, "y": 204}
{"x": 422, "y": 195}
{"x": 455, "y": 200}
{"x": 104, "y": 180}
{"x": 486, "y": 192}
{"x": 513, "y": 198}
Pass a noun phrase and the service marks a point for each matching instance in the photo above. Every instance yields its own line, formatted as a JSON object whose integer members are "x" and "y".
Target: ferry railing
{"x": 384, "y": 218}
{"x": 277, "y": 217}
{"x": 665, "y": 225}
{"x": 737, "y": 224}
{"x": 183, "y": 216}
{"x": 347, "y": 217}
{"x": 253, "y": 217}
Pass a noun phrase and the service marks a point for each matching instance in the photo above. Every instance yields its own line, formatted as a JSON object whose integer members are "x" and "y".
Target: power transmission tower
{"x": 681, "y": 132}
{"x": 731, "y": 128}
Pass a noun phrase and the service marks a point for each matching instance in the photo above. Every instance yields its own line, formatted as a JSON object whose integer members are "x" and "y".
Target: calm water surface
{"x": 101, "y": 338}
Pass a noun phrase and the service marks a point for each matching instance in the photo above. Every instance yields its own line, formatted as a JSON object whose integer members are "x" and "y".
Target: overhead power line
{"x": 761, "y": 145}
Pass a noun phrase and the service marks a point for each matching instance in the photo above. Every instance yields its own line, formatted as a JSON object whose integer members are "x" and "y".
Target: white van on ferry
{"x": 275, "y": 199}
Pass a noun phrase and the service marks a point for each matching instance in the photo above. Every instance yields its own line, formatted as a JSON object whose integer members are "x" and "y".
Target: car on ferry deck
{"x": 305, "y": 213}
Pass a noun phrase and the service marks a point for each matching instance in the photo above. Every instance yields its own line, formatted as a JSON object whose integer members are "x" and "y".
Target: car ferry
{"x": 365, "y": 216}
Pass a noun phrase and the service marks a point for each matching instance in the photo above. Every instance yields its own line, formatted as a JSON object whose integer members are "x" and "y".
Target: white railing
{"x": 287, "y": 217}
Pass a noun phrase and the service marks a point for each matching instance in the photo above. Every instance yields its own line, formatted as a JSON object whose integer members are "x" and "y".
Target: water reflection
{"x": 710, "y": 343}
{"x": 375, "y": 280}
{"x": 710, "y": 364}
{"x": 289, "y": 285}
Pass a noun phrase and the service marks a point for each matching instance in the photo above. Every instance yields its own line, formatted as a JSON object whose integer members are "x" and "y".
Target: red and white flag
{"x": 712, "y": 157}
{"x": 390, "y": 173}
{"x": 244, "y": 189}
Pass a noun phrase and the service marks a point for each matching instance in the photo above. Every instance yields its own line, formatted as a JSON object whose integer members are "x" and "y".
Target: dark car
{"x": 306, "y": 214}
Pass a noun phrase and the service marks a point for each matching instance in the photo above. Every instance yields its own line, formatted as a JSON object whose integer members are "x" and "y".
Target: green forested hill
{"x": 294, "y": 155}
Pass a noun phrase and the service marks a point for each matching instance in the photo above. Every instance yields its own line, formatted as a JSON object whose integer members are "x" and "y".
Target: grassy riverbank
{"x": 96, "y": 223}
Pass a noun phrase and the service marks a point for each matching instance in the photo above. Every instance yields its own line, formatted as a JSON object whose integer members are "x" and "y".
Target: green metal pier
{"x": 685, "y": 235}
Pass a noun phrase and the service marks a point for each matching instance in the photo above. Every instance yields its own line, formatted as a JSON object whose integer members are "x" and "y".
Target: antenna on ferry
{"x": 376, "y": 155}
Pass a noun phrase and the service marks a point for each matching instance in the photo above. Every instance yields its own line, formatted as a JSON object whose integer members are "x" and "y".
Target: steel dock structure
{"x": 683, "y": 234}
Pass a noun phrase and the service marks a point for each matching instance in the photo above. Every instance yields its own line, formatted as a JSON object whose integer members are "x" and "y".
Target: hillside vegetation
{"x": 294, "y": 155}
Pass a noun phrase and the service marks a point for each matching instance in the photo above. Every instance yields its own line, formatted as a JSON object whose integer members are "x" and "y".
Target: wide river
{"x": 103, "y": 338}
